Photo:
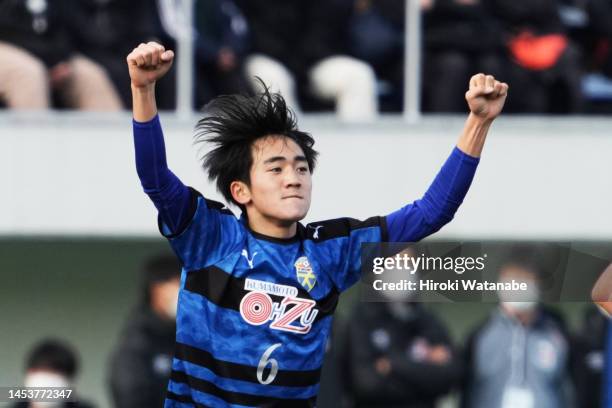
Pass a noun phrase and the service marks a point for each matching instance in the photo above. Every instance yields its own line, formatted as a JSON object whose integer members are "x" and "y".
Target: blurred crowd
{"x": 322, "y": 55}
{"x": 393, "y": 353}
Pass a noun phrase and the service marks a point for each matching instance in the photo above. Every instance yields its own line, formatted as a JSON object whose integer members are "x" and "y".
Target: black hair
{"x": 158, "y": 269}
{"x": 55, "y": 355}
{"x": 544, "y": 260}
{"x": 232, "y": 123}
{"x": 525, "y": 257}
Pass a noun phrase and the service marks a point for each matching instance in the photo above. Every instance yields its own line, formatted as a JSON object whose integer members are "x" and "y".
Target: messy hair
{"x": 55, "y": 355}
{"x": 232, "y": 123}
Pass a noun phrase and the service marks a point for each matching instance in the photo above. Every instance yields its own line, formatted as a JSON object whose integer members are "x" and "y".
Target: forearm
{"x": 144, "y": 105}
{"x": 474, "y": 134}
{"x": 170, "y": 196}
{"x": 439, "y": 203}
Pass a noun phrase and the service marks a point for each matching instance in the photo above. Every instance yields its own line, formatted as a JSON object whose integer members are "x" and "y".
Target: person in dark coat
{"x": 546, "y": 67}
{"x": 397, "y": 354}
{"x": 40, "y": 67}
{"x": 460, "y": 38}
{"x": 588, "y": 357}
{"x": 141, "y": 363}
{"x": 301, "y": 49}
{"x": 107, "y": 30}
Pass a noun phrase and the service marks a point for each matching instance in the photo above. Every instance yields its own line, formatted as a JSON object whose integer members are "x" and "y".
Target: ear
{"x": 240, "y": 192}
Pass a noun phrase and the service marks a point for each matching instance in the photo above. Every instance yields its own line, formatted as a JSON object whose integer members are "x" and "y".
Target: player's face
{"x": 281, "y": 182}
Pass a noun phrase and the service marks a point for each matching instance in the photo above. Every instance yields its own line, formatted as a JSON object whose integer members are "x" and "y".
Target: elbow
{"x": 439, "y": 213}
{"x": 439, "y": 219}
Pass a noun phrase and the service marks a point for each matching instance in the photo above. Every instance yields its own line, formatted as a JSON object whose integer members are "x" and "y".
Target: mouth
{"x": 293, "y": 196}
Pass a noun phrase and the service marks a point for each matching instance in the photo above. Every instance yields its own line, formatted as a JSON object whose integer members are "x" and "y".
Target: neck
{"x": 272, "y": 228}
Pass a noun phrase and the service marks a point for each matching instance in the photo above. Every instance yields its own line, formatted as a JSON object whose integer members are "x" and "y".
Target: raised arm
{"x": 485, "y": 97}
{"x": 148, "y": 63}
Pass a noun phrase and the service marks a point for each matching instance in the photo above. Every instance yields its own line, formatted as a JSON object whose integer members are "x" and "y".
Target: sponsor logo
{"x": 315, "y": 234}
{"x": 292, "y": 314}
{"x": 245, "y": 253}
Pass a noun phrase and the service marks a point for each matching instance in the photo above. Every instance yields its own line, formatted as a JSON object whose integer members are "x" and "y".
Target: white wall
{"x": 538, "y": 178}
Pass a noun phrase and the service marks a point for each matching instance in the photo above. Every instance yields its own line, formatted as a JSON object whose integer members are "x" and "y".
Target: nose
{"x": 293, "y": 179}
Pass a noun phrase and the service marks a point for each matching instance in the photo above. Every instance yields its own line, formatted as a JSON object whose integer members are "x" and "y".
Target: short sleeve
{"x": 211, "y": 232}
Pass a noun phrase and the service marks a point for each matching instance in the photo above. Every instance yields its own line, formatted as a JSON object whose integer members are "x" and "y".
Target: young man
{"x": 257, "y": 293}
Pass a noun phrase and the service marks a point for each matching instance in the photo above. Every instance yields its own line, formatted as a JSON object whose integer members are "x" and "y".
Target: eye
{"x": 303, "y": 169}
{"x": 275, "y": 170}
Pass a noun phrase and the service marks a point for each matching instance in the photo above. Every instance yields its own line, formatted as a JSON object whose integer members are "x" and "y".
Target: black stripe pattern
{"x": 235, "y": 371}
{"x": 341, "y": 227}
{"x": 225, "y": 290}
{"x": 232, "y": 397}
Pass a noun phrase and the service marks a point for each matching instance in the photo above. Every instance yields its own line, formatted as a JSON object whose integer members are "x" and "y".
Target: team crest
{"x": 304, "y": 273}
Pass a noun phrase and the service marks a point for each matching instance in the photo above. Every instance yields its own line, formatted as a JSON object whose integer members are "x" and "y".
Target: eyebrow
{"x": 275, "y": 159}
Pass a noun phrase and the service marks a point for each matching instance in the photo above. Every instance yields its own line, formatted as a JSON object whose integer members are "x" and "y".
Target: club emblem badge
{"x": 304, "y": 273}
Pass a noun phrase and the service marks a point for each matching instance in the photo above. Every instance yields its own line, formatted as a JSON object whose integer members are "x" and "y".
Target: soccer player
{"x": 258, "y": 293}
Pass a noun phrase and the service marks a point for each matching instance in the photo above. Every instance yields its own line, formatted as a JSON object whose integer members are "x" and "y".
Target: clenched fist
{"x": 486, "y": 96}
{"x": 148, "y": 63}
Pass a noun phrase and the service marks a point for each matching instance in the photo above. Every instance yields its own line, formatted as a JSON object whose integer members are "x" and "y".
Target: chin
{"x": 295, "y": 217}
{"x": 295, "y": 214}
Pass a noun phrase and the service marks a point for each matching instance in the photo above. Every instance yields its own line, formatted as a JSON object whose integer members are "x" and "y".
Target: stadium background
{"x": 75, "y": 225}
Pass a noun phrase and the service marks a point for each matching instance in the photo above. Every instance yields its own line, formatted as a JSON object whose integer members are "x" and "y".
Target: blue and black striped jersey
{"x": 255, "y": 312}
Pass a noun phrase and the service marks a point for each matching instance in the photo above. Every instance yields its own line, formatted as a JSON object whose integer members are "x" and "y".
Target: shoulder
{"x": 214, "y": 205}
{"x": 200, "y": 209}
{"x": 483, "y": 327}
{"x": 135, "y": 333}
{"x": 199, "y": 201}
{"x": 343, "y": 227}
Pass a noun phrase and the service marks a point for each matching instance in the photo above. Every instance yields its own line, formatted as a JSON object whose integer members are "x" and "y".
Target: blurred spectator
{"x": 546, "y": 70}
{"x": 588, "y": 355}
{"x": 52, "y": 363}
{"x": 594, "y": 33}
{"x": 519, "y": 357}
{"x": 37, "y": 57}
{"x": 141, "y": 364}
{"x": 396, "y": 353}
{"x": 220, "y": 44}
{"x": 600, "y": 26}
{"x": 607, "y": 384}
{"x": 107, "y": 30}
{"x": 300, "y": 48}
{"x": 460, "y": 39}
{"x": 376, "y": 36}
